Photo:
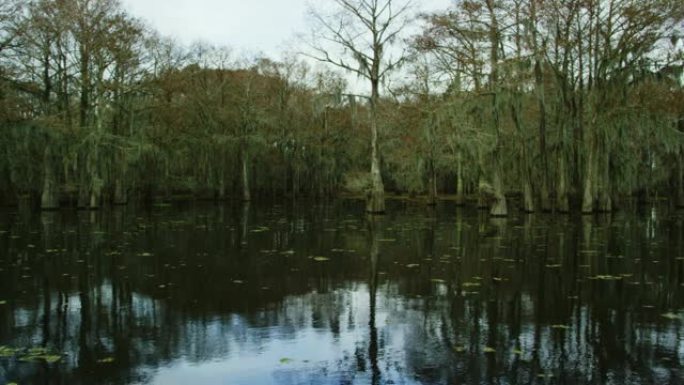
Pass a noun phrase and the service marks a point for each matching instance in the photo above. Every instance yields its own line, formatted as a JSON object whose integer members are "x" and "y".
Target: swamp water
{"x": 206, "y": 294}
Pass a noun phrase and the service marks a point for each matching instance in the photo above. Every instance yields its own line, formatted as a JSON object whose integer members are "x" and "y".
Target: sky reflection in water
{"x": 208, "y": 294}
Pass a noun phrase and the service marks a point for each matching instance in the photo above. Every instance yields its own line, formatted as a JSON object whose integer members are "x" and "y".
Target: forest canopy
{"x": 564, "y": 104}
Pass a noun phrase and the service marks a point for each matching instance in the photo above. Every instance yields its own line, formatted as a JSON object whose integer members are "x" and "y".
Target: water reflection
{"x": 293, "y": 295}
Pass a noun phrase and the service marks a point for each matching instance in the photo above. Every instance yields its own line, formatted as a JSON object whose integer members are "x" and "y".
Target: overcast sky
{"x": 253, "y": 26}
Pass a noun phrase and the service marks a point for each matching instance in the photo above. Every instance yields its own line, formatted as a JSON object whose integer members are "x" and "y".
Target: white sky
{"x": 251, "y": 26}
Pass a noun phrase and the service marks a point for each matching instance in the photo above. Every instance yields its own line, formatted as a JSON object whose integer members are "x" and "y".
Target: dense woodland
{"x": 570, "y": 105}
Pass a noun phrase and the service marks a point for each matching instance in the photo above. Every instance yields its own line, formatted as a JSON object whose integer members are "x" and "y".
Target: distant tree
{"x": 358, "y": 37}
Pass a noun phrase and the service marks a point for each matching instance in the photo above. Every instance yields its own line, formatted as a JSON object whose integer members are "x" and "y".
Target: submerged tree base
{"x": 375, "y": 202}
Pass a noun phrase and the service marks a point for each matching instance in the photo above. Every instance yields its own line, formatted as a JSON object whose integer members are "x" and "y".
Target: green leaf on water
{"x": 6, "y": 351}
{"x": 437, "y": 280}
{"x": 286, "y": 360}
{"x": 321, "y": 259}
{"x": 37, "y": 351}
{"x": 671, "y": 316}
{"x": 3, "y": 302}
{"x": 51, "y": 358}
{"x": 488, "y": 350}
{"x": 606, "y": 278}
{"x": 260, "y": 229}
{"x": 412, "y": 265}
{"x": 518, "y": 352}
{"x": 106, "y": 360}
{"x": 560, "y": 327}
{"x": 472, "y": 284}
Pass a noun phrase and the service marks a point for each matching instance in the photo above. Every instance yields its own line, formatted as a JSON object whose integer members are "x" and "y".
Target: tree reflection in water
{"x": 291, "y": 295}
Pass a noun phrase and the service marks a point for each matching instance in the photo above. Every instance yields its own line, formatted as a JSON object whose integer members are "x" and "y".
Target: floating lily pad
{"x": 412, "y": 265}
{"x": 106, "y": 360}
{"x": 321, "y": 259}
{"x": 606, "y": 278}
{"x": 6, "y": 351}
{"x": 671, "y": 316}
{"x": 488, "y": 350}
{"x": 286, "y": 360}
{"x": 50, "y": 358}
{"x": 3, "y": 302}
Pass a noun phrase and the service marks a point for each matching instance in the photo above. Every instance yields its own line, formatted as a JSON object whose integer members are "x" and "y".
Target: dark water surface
{"x": 205, "y": 294}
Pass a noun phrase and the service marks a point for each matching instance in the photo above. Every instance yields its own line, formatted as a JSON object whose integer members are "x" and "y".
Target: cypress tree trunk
{"x": 432, "y": 185}
{"x": 460, "y": 188}
{"x": 562, "y": 202}
{"x": 589, "y": 177}
{"x": 605, "y": 200}
{"x": 482, "y": 203}
{"x": 120, "y": 193}
{"x": 49, "y": 199}
{"x": 528, "y": 198}
{"x": 680, "y": 178}
{"x": 7, "y": 195}
{"x": 83, "y": 185}
{"x": 375, "y": 200}
{"x": 120, "y": 186}
{"x": 222, "y": 187}
{"x": 544, "y": 199}
{"x": 499, "y": 208}
{"x": 246, "y": 194}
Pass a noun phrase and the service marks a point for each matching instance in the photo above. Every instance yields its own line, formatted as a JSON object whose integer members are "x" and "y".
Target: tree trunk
{"x": 544, "y": 199}
{"x": 460, "y": 188}
{"x": 375, "y": 199}
{"x": 222, "y": 187}
{"x": 83, "y": 184}
{"x": 605, "y": 200}
{"x": 482, "y": 201}
{"x": 432, "y": 186}
{"x": 246, "y": 194}
{"x": 589, "y": 182}
{"x": 8, "y": 197}
{"x": 499, "y": 208}
{"x": 528, "y": 196}
{"x": 120, "y": 193}
{"x": 680, "y": 178}
{"x": 49, "y": 199}
{"x": 562, "y": 202}
{"x": 528, "y": 199}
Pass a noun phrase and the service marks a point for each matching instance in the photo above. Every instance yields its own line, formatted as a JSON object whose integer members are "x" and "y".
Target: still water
{"x": 207, "y": 294}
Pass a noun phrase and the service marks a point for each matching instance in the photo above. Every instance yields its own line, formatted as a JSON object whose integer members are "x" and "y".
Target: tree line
{"x": 570, "y": 105}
